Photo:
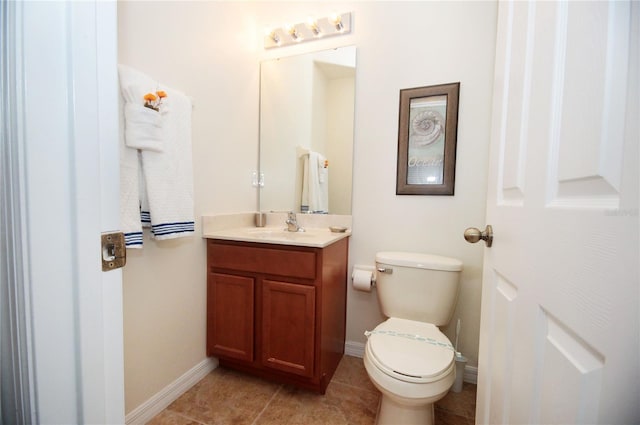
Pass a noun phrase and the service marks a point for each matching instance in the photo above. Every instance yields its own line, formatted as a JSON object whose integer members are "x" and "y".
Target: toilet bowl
{"x": 407, "y": 357}
{"x": 413, "y": 365}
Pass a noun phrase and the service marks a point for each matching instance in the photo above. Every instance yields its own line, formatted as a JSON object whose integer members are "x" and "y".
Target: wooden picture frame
{"x": 427, "y": 134}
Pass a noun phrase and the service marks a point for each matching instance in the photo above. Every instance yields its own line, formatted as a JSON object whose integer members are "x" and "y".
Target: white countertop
{"x": 313, "y": 237}
{"x": 238, "y": 227}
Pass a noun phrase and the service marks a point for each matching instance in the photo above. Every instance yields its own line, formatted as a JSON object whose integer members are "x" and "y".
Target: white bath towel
{"x": 168, "y": 175}
{"x": 315, "y": 184}
{"x": 129, "y": 190}
{"x": 143, "y": 127}
{"x": 162, "y": 179}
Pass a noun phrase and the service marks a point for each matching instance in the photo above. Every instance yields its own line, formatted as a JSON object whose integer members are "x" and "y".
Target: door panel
{"x": 572, "y": 365}
{"x": 588, "y": 107}
{"x": 288, "y": 327}
{"x": 504, "y": 295}
{"x": 559, "y": 331}
{"x": 230, "y": 316}
{"x": 515, "y": 110}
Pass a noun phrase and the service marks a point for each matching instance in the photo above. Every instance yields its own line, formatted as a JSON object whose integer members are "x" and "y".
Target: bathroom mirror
{"x": 306, "y": 132}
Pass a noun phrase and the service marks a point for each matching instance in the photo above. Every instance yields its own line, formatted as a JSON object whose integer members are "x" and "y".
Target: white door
{"x": 67, "y": 106}
{"x": 559, "y": 333}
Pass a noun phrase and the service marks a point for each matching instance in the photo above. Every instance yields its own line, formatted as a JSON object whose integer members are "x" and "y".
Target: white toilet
{"x": 407, "y": 357}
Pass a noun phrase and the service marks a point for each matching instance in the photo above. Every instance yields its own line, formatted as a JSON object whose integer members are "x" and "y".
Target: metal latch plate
{"x": 114, "y": 252}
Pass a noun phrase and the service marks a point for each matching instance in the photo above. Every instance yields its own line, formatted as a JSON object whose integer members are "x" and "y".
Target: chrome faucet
{"x": 292, "y": 223}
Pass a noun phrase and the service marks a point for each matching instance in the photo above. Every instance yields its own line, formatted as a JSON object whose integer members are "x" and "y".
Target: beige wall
{"x": 208, "y": 51}
{"x": 211, "y": 51}
{"x": 424, "y": 43}
{"x": 340, "y": 108}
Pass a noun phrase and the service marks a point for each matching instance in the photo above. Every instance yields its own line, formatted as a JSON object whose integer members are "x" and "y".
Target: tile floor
{"x": 228, "y": 397}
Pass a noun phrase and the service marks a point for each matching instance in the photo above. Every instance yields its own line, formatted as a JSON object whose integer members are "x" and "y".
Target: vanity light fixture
{"x": 313, "y": 29}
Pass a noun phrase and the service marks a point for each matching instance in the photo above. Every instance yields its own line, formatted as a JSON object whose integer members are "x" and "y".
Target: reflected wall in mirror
{"x": 306, "y": 132}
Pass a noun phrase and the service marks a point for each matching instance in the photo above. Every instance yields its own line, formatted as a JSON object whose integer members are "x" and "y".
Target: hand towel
{"x": 143, "y": 127}
{"x": 318, "y": 183}
{"x": 315, "y": 184}
{"x": 304, "y": 197}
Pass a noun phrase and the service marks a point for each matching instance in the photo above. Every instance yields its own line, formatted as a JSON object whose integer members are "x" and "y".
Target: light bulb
{"x": 313, "y": 26}
{"x": 273, "y": 36}
{"x": 336, "y": 20}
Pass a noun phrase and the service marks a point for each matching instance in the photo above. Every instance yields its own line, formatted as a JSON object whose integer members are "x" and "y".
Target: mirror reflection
{"x": 306, "y": 132}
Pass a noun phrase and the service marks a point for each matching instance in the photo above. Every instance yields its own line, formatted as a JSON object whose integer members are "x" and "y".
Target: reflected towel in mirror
{"x": 315, "y": 184}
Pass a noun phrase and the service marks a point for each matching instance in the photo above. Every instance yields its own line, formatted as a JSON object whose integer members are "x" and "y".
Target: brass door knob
{"x": 473, "y": 235}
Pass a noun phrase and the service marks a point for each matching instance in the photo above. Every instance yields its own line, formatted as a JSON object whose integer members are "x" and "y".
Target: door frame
{"x": 68, "y": 133}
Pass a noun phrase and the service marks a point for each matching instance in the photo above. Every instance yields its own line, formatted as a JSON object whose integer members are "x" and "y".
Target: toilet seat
{"x": 410, "y": 351}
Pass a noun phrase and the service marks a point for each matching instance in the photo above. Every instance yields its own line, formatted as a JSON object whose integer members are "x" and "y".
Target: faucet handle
{"x": 292, "y": 223}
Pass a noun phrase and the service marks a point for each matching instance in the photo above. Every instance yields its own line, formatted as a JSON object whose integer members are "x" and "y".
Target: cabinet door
{"x": 288, "y": 327}
{"x": 230, "y": 316}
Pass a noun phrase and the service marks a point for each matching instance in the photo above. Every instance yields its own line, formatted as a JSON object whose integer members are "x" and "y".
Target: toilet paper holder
{"x": 371, "y": 269}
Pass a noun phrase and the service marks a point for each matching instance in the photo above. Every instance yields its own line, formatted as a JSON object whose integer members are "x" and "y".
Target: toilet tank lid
{"x": 419, "y": 261}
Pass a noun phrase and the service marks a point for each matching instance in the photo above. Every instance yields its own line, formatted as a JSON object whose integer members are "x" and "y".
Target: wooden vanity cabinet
{"x": 277, "y": 311}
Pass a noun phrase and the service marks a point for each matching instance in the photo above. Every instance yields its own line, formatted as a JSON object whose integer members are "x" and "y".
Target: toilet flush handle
{"x": 387, "y": 270}
{"x": 473, "y": 235}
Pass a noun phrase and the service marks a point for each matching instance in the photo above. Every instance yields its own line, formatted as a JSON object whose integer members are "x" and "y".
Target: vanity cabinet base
{"x": 277, "y": 311}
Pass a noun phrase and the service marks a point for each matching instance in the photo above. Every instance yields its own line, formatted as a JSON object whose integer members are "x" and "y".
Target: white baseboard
{"x": 470, "y": 374}
{"x": 156, "y": 404}
{"x": 356, "y": 349}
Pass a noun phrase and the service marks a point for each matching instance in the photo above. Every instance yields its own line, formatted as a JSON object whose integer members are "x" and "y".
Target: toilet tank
{"x": 421, "y": 287}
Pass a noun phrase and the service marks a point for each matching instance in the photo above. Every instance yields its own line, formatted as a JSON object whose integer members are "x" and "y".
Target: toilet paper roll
{"x": 362, "y": 280}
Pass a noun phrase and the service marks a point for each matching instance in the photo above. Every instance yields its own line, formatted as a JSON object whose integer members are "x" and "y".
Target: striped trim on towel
{"x": 163, "y": 230}
{"x": 133, "y": 239}
{"x": 145, "y": 218}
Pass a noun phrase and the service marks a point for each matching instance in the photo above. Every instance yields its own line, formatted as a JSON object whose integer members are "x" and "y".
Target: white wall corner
{"x": 157, "y": 403}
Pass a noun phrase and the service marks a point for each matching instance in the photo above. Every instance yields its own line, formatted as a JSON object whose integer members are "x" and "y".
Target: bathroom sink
{"x": 275, "y": 233}
{"x": 316, "y": 237}
{"x": 264, "y": 230}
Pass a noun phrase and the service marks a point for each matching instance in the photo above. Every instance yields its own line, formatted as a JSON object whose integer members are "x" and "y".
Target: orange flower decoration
{"x": 154, "y": 102}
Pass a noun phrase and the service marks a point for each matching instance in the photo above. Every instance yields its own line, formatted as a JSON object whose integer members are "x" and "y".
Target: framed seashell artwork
{"x": 427, "y": 133}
